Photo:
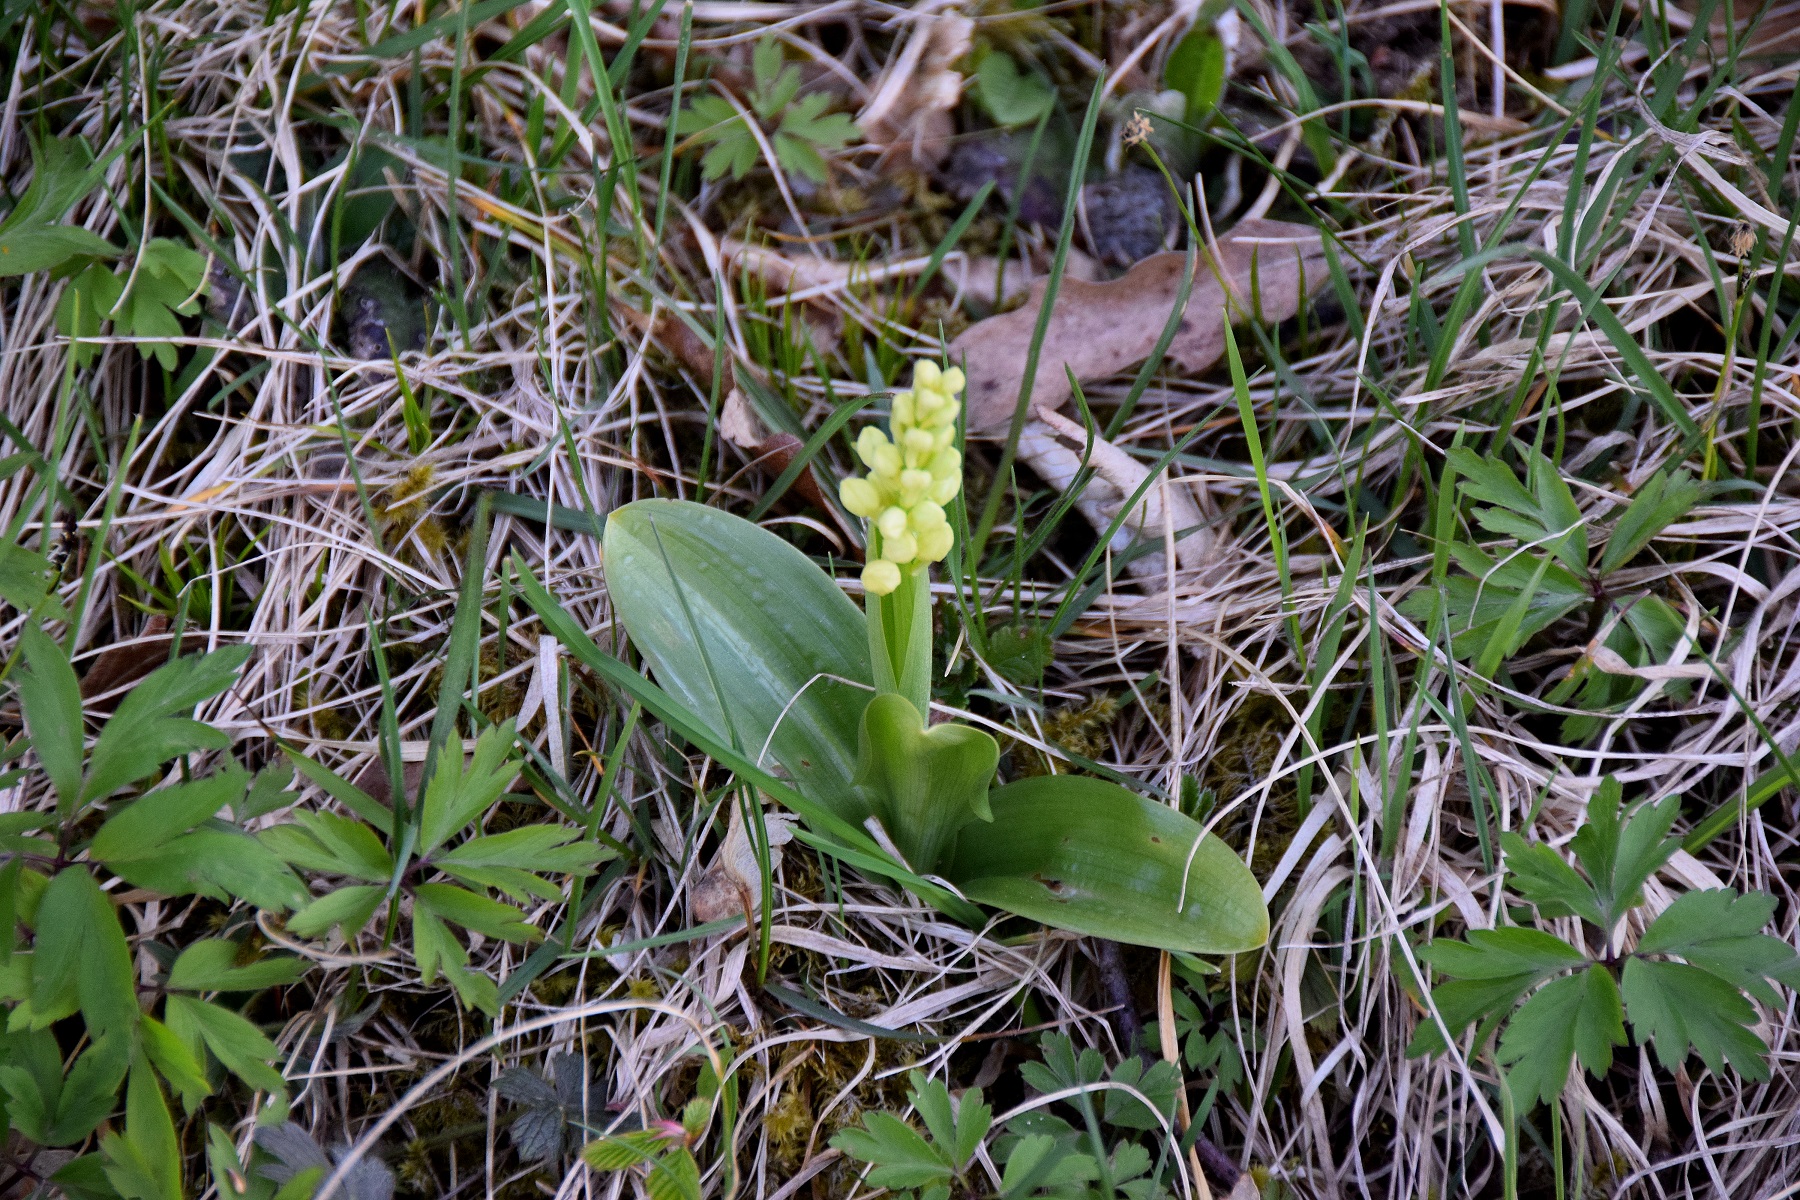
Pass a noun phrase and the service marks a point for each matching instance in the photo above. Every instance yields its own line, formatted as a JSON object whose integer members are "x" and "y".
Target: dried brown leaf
{"x": 909, "y": 114}
{"x": 1098, "y": 329}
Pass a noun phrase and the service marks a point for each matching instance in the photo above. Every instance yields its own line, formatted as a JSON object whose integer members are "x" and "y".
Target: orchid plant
{"x": 763, "y": 661}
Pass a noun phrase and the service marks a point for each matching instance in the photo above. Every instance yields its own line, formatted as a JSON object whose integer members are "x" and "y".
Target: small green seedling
{"x": 1681, "y": 988}
{"x": 170, "y": 836}
{"x": 423, "y": 856}
{"x": 797, "y": 127}
{"x": 923, "y": 1165}
{"x": 1499, "y": 603}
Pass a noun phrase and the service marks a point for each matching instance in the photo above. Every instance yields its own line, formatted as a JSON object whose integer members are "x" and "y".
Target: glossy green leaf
{"x": 923, "y": 784}
{"x": 744, "y": 631}
{"x": 1089, "y": 856}
{"x": 826, "y": 831}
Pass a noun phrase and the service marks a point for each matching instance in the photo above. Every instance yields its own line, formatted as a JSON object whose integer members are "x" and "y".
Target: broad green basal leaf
{"x": 745, "y": 631}
{"x": 1089, "y": 856}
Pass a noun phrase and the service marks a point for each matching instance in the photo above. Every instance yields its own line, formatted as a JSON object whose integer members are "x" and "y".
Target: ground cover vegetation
{"x": 976, "y": 599}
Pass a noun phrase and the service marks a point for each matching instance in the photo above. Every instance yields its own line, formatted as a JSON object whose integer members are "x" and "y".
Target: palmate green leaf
{"x": 343, "y": 791}
{"x": 530, "y": 847}
{"x": 511, "y": 882}
{"x": 1662, "y": 499}
{"x": 807, "y": 120}
{"x": 766, "y": 64}
{"x": 1011, "y": 96}
{"x": 436, "y": 951}
{"x": 1541, "y": 512}
{"x": 211, "y": 965}
{"x": 956, "y": 1127}
{"x": 1620, "y": 853}
{"x": 176, "y": 1062}
{"x": 461, "y": 791}
{"x": 923, "y": 785}
{"x": 219, "y": 863}
{"x": 50, "y": 696}
{"x": 63, "y": 172}
{"x": 31, "y": 1076}
{"x": 770, "y": 99}
{"x": 479, "y": 913}
{"x": 1089, "y": 856}
{"x": 327, "y": 842}
{"x": 1720, "y": 932}
{"x": 91, "y": 1091}
{"x": 1491, "y": 970}
{"x": 1677, "y": 1007}
{"x": 901, "y": 1155}
{"x": 715, "y": 122}
{"x": 1157, "y": 1082}
{"x": 749, "y": 635}
{"x": 144, "y": 733}
{"x": 1578, "y": 1016}
{"x": 1477, "y": 606}
{"x": 81, "y": 958}
{"x": 86, "y": 305}
{"x": 168, "y": 277}
{"x": 243, "y": 1048}
{"x": 30, "y": 238}
{"x": 1542, "y": 876}
{"x": 347, "y": 907}
{"x": 138, "y": 828}
{"x": 144, "y": 1163}
{"x": 43, "y": 247}
{"x": 145, "y": 843}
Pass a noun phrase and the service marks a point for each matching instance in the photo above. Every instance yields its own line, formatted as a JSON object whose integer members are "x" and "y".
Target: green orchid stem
{"x": 900, "y": 639}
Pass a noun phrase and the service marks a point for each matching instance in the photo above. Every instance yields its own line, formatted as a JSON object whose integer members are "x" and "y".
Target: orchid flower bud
{"x": 914, "y": 471}
{"x": 860, "y": 496}
{"x": 880, "y": 576}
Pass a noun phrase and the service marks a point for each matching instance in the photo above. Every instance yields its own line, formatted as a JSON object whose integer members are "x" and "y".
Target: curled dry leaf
{"x": 909, "y": 114}
{"x": 732, "y": 886}
{"x": 773, "y": 452}
{"x": 1098, "y": 329}
{"x": 975, "y": 278}
{"x": 1054, "y": 446}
